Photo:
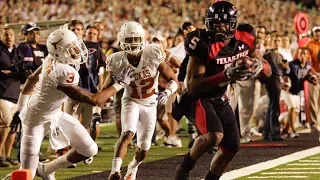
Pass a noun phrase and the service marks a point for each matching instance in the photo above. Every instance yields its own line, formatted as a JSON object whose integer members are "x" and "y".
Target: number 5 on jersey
{"x": 193, "y": 43}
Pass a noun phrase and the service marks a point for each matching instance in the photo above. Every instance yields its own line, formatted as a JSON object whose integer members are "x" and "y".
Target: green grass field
{"x": 306, "y": 168}
{"x": 103, "y": 160}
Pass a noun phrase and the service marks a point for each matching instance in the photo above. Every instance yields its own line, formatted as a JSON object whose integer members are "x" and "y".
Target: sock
{"x": 116, "y": 164}
{"x": 134, "y": 163}
{"x": 211, "y": 176}
{"x": 188, "y": 163}
{"x": 60, "y": 162}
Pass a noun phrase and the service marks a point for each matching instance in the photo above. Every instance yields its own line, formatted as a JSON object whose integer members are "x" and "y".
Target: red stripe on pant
{"x": 200, "y": 118}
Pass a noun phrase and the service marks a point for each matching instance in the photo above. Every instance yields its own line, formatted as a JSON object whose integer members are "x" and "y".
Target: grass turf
{"x": 103, "y": 160}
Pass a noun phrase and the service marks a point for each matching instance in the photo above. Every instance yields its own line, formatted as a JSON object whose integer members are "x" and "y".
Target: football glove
{"x": 162, "y": 98}
{"x": 125, "y": 77}
{"x": 15, "y": 125}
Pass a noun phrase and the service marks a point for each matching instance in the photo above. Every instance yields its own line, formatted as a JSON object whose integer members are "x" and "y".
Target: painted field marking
{"x": 270, "y": 164}
{"x": 303, "y": 164}
{"x": 315, "y": 158}
{"x": 278, "y": 177}
{"x": 309, "y": 161}
{"x": 291, "y": 172}
{"x": 299, "y": 168}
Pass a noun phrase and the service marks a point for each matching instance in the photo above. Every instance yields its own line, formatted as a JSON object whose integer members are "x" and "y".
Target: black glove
{"x": 96, "y": 118}
{"x": 15, "y": 125}
{"x": 238, "y": 73}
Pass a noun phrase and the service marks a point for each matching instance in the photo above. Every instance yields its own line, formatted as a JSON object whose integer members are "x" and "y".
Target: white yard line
{"x": 270, "y": 164}
{"x": 303, "y": 164}
{"x": 309, "y": 161}
{"x": 278, "y": 177}
{"x": 298, "y": 168}
{"x": 289, "y": 172}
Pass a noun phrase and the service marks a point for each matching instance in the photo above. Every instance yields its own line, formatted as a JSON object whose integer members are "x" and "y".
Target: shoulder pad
{"x": 66, "y": 75}
{"x": 155, "y": 52}
{"x": 196, "y": 43}
{"x": 245, "y": 27}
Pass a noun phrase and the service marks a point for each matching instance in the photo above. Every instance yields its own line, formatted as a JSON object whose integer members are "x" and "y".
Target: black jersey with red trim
{"x": 217, "y": 55}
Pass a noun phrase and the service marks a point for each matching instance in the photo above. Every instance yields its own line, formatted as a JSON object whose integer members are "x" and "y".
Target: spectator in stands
{"x": 11, "y": 75}
{"x": 268, "y": 41}
{"x": 260, "y": 38}
{"x": 314, "y": 88}
{"x": 100, "y": 27}
{"x": 77, "y": 27}
{"x": 273, "y": 87}
{"x": 33, "y": 54}
{"x": 300, "y": 70}
{"x": 285, "y": 49}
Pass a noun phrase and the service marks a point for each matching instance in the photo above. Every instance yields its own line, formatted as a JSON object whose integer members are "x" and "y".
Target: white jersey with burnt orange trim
{"x": 46, "y": 99}
{"x": 142, "y": 90}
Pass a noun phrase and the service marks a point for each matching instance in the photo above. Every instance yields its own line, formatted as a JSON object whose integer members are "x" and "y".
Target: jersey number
{"x": 70, "y": 77}
{"x": 193, "y": 43}
{"x": 146, "y": 85}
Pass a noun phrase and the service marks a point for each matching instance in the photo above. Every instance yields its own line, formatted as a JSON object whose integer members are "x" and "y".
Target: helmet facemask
{"x": 132, "y": 43}
{"x": 215, "y": 27}
{"x": 76, "y": 52}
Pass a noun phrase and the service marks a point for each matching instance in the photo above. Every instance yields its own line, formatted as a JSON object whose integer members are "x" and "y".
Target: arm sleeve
{"x": 183, "y": 69}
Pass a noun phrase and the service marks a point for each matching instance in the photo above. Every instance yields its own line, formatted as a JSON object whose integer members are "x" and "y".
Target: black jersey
{"x": 216, "y": 55}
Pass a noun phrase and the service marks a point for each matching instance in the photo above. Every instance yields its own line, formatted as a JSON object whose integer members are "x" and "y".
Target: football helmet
{"x": 132, "y": 37}
{"x": 64, "y": 46}
{"x": 221, "y": 20}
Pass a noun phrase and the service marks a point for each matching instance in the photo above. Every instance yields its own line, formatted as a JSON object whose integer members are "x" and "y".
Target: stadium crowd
{"x": 276, "y": 109}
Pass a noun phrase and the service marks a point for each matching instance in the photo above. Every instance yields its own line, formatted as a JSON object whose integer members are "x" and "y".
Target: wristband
{"x": 96, "y": 109}
{"x": 117, "y": 86}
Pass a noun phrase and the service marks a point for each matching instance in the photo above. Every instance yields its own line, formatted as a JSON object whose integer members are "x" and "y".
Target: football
{"x": 244, "y": 62}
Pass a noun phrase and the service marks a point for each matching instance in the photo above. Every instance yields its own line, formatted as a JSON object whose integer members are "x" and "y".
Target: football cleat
{"x": 131, "y": 173}
{"x": 40, "y": 172}
{"x": 115, "y": 175}
{"x": 88, "y": 161}
{"x": 173, "y": 141}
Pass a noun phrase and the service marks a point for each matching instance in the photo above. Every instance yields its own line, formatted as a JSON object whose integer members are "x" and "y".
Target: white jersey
{"x": 142, "y": 89}
{"x": 46, "y": 99}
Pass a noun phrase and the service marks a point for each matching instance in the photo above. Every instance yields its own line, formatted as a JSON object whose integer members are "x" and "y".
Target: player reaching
{"x": 40, "y": 104}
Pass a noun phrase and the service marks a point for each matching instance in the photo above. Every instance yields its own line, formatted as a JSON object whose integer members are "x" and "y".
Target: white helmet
{"x": 127, "y": 36}
{"x": 64, "y": 46}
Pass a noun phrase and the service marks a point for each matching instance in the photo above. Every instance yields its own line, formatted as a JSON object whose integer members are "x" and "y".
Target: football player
{"x": 141, "y": 96}
{"x": 212, "y": 51}
{"x": 40, "y": 107}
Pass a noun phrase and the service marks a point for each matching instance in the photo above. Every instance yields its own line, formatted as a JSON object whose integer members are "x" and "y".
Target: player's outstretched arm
{"x": 28, "y": 89}
{"x": 125, "y": 78}
{"x": 77, "y": 93}
{"x": 167, "y": 73}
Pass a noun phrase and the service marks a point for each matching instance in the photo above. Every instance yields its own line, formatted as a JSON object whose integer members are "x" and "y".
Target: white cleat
{"x": 173, "y": 141}
{"x": 42, "y": 174}
{"x": 88, "y": 161}
{"x": 131, "y": 173}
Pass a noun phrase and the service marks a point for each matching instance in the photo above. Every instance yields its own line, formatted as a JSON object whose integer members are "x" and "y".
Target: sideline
{"x": 270, "y": 164}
